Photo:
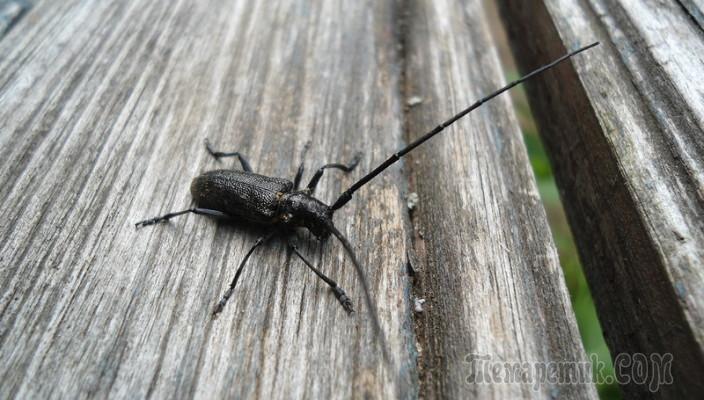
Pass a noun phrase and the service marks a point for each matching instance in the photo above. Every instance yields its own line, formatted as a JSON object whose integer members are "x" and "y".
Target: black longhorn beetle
{"x": 284, "y": 206}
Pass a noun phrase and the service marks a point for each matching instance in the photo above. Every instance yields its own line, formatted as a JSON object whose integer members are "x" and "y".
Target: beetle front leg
{"x": 343, "y": 167}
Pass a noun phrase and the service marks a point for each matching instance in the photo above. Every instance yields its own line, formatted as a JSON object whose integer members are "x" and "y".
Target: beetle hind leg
{"x": 340, "y": 294}
{"x": 166, "y": 217}
{"x": 217, "y": 154}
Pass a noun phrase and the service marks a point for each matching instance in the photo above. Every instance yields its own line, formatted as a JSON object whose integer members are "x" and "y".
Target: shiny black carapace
{"x": 284, "y": 206}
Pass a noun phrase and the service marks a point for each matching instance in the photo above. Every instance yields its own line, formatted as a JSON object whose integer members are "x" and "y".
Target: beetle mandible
{"x": 284, "y": 206}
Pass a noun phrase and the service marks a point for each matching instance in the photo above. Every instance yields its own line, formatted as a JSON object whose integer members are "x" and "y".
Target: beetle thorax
{"x": 301, "y": 209}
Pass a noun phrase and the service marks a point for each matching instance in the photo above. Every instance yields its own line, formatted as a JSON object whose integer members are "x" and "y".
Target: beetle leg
{"x": 231, "y": 289}
{"x": 319, "y": 173}
{"x": 299, "y": 173}
{"x": 217, "y": 154}
{"x": 337, "y": 290}
{"x": 166, "y": 217}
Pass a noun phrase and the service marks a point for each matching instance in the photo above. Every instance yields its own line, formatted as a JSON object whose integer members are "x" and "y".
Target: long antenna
{"x": 365, "y": 288}
{"x": 347, "y": 195}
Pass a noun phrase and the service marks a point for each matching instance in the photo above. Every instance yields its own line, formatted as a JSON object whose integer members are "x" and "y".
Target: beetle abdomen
{"x": 250, "y": 196}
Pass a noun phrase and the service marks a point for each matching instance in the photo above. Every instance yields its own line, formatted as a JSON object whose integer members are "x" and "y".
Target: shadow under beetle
{"x": 284, "y": 206}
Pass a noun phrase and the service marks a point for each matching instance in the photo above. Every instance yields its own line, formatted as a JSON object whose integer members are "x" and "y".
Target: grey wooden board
{"x": 626, "y": 136}
{"x": 104, "y": 108}
{"x": 494, "y": 283}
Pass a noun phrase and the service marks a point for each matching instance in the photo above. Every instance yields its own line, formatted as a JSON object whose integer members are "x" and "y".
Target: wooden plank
{"x": 104, "y": 107}
{"x": 624, "y": 129}
{"x": 487, "y": 265}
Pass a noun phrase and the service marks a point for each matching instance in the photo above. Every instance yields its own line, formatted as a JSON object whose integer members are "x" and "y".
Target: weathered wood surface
{"x": 625, "y": 131}
{"x": 494, "y": 283}
{"x": 104, "y": 108}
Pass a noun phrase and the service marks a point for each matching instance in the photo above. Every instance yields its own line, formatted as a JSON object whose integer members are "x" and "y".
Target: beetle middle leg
{"x": 343, "y": 167}
{"x": 337, "y": 290}
{"x": 231, "y": 289}
{"x": 196, "y": 210}
{"x": 217, "y": 154}
{"x": 299, "y": 173}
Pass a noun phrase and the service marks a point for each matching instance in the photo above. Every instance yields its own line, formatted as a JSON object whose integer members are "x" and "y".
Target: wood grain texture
{"x": 104, "y": 108}
{"x": 486, "y": 260}
{"x": 624, "y": 129}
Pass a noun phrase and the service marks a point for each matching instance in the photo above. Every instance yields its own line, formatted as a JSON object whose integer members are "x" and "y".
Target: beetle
{"x": 282, "y": 205}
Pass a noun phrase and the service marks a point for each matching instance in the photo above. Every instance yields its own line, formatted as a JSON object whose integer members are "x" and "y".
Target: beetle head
{"x": 309, "y": 212}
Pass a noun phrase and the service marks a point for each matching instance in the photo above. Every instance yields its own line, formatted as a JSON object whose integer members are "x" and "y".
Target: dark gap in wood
{"x": 414, "y": 238}
{"x": 509, "y": 63}
{"x": 691, "y": 9}
{"x": 637, "y": 306}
